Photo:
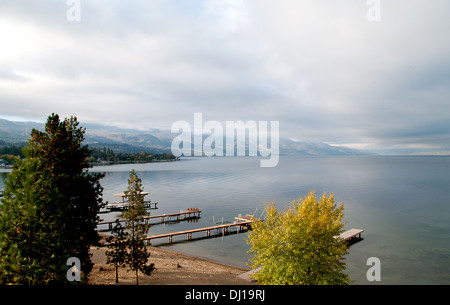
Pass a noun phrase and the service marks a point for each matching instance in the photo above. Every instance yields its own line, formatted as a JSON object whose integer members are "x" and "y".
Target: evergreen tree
{"x": 51, "y": 197}
{"x": 137, "y": 250}
{"x": 26, "y": 235}
{"x": 80, "y": 191}
{"x": 117, "y": 253}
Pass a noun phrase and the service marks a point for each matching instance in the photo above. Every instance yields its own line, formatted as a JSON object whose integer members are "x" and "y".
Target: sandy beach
{"x": 171, "y": 268}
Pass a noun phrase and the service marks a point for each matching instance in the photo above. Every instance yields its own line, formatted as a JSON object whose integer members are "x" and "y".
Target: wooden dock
{"x": 242, "y": 224}
{"x": 190, "y": 213}
{"x": 125, "y": 204}
{"x": 119, "y": 207}
{"x": 351, "y": 235}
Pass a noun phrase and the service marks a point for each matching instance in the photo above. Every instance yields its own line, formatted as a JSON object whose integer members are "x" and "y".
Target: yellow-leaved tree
{"x": 300, "y": 246}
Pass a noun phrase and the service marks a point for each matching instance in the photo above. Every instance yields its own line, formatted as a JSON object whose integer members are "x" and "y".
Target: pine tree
{"x": 137, "y": 250}
{"x": 75, "y": 213}
{"x": 25, "y": 235}
{"x": 117, "y": 253}
{"x": 50, "y": 207}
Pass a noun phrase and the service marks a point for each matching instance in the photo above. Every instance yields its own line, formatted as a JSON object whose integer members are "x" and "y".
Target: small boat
{"x": 125, "y": 205}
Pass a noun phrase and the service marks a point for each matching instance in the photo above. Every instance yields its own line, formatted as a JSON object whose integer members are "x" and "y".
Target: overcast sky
{"x": 319, "y": 67}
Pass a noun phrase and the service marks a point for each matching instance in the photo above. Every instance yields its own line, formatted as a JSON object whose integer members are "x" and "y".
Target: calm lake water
{"x": 402, "y": 204}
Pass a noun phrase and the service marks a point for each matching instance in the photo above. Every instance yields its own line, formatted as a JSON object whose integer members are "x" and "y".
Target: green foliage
{"x": 137, "y": 250}
{"x": 117, "y": 252}
{"x": 9, "y": 153}
{"x": 50, "y": 208}
{"x": 107, "y": 154}
{"x": 26, "y": 235}
{"x": 297, "y": 246}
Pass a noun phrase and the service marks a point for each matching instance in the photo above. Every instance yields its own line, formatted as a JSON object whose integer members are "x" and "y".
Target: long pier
{"x": 190, "y": 213}
{"x": 242, "y": 224}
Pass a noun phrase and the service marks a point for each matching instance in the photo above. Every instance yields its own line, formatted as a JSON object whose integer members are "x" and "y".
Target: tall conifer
{"x": 50, "y": 208}
{"x": 117, "y": 252}
{"x": 137, "y": 250}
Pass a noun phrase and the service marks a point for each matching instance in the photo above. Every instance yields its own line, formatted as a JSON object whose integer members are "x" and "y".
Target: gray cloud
{"x": 319, "y": 67}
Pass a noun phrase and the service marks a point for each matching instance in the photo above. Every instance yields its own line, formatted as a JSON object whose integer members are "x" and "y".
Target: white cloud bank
{"x": 317, "y": 66}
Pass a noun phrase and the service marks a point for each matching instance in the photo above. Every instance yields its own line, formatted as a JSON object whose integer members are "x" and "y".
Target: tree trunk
{"x": 117, "y": 274}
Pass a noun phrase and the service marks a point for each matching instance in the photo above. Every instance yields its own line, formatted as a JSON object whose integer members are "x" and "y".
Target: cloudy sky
{"x": 319, "y": 67}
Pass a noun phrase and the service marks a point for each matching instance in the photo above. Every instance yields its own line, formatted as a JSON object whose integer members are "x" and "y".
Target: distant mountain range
{"x": 154, "y": 140}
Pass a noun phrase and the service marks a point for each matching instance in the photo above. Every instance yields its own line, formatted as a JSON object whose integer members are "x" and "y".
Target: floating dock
{"x": 118, "y": 206}
{"x": 125, "y": 205}
{"x": 190, "y": 213}
{"x": 351, "y": 235}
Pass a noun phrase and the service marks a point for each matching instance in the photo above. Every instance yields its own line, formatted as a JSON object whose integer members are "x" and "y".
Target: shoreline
{"x": 107, "y": 163}
{"x": 171, "y": 268}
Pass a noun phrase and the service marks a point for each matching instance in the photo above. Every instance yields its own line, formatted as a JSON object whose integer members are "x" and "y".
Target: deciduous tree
{"x": 298, "y": 245}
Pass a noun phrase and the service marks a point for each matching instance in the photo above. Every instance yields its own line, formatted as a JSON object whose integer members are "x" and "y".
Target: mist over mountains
{"x": 154, "y": 140}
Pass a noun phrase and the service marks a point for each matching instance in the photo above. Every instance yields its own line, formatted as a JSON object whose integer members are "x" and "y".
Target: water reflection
{"x": 402, "y": 203}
